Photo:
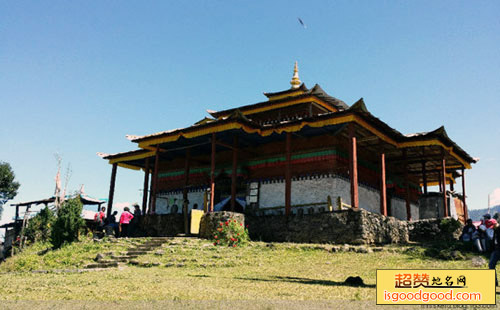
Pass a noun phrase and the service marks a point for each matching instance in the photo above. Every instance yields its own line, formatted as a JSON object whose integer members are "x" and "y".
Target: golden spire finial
{"x": 295, "y": 79}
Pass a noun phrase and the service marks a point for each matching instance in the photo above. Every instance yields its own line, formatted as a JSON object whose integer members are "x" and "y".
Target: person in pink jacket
{"x": 125, "y": 219}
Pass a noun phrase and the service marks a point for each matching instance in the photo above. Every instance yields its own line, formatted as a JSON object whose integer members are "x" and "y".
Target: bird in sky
{"x": 301, "y": 22}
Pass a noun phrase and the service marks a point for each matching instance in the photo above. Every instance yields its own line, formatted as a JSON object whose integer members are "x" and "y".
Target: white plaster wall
{"x": 369, "y": 199}
{"x": 272, "y": 194}
{"x": 164, "y": 202}
{"x": 316, "y": 190}
{"x": 341, "y": 187}
{"x": 398, "y": 208}
{"x": 311, "y": 190}
{"x": 453, "y": 209}
{"x": 414, "y": 209}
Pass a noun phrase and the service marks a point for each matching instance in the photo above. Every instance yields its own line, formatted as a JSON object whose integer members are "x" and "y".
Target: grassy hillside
{"x": 194, "y": 269}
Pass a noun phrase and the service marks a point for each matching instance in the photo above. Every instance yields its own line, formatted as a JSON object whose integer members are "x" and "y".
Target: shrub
{"x": 230, "y": 233}
{"x": 67, "y": 226}
{"x": 449, "y": 227}
{"x": 40, "y": 227}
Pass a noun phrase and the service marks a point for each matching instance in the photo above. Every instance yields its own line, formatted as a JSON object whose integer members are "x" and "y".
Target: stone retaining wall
{"x": 435, "y": 230}
{"x": 347, "y": 226}
{"x": 160, "y": 225}
{"x": 340, "y": 227}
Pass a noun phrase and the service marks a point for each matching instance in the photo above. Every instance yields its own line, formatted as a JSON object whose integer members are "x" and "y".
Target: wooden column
{"x": 212, "y": 175}
{"x": 151, "y": 188}
{"x": 383, "y": 189}
{"x": 145, "y": 187}
{"x": 112, "y": 189}
{"x": 407, "y": 187}
{"x": 443, "y": 181}
{"x": 353, "y": 167}
{"x": 440, "y": 178}
{"x": 234, "y": 174}
{"x": 466, "y": 213}
{"x": 185, "y": 201}
{"x": 16, "y": 226}
{"x": 288, "y": 174}
{"x": 155, "y": 180}
{"x": 424, "y": 177}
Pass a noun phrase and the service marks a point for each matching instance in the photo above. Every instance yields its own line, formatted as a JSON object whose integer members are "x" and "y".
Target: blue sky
{"x": 76, "y": 77}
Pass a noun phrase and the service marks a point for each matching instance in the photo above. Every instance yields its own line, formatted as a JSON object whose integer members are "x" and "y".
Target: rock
{"x": 378, "y": 249}
{"x": 98, "y": 257}
{"x": 363, "y": 249}
{"x": 478, "y": 261}
{"x": 169, "y": 265}
{"x": 159, "y": 253}
{"x": 335, "y": 249}
{"x": 457, "y": 255}
{"x": 180, "y": 265}
{"x": 133, "y": 262}
{"x": 155, "y": 264}
{"x": 354, "y": 281}
{"x": 210, "y": 221}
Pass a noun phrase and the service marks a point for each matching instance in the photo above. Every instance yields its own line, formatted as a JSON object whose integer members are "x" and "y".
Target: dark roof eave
{"x": 198, "y": 127}
{"x": 263, "y": 103}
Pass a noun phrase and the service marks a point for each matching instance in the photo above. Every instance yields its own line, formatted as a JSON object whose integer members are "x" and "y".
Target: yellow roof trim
{"x": 131, "y": 157}
{"x": 284, "y": 105}
{"x": 129, "y": 166}
{"x": 292, "y": 94}
{"x": 435, "y": 142}
{"x": 296, "y": 127}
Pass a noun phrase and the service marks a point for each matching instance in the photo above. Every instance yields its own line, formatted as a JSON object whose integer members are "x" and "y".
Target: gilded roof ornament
{"x": 295, "y": 79}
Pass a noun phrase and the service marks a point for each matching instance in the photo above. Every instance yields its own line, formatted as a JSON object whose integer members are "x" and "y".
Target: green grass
{"x": 197, "y": 270}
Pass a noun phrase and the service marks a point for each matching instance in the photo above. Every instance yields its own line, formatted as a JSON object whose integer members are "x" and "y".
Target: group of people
{"x": 125, "y": 227}
{"x": 481, "y": 236}
{"x": 486, "y": 237}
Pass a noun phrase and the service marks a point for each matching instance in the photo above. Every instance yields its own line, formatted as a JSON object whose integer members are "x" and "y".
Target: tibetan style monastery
{"x": 295, "y": 153}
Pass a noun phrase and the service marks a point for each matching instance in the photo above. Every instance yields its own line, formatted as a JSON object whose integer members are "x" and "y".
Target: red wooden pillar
{"x": 288, "y": 174}
{"x": 424, "y": 177}
{"x": 466, "y": 213}
{"x": 443, "y": 181}
{"x": 234, "y": 174}
{"x": 407, "y": 187}
{"x": 146, "y": 185}
{"x": 185, "y": 202}
{"x": 155, "y": 180}
{"x": 212, "y": 175}
{"x": 383, "y": 189}
{"x": 353, "y": 167}
{"x": 112, "y": 189}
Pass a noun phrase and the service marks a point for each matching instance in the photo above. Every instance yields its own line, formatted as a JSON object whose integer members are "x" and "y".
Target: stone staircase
{"x": 111, "y": 260}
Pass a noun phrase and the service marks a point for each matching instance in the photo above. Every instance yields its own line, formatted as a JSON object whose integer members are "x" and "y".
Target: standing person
{"x": 111, "y": 222}
{"x": 135, "y": 221}
{"x": 495, "y": 255}
{"x": 125, "y": 219}
{"x": 99, "y": 219}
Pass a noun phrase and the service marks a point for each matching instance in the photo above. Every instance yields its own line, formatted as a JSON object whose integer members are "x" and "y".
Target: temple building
{"x": 298, "y": 152}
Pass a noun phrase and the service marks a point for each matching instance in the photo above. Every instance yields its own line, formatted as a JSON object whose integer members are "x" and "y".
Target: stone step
{"x": 123, "y": 257}
{"x": 144, "y": 247}
{"x": 137, "y": 253}
{"x": 102, "y": 265}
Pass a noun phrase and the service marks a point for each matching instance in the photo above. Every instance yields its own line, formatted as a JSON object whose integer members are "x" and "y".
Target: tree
{"x": 40, "y": 227}
{"x": 68, "y": 223}
{"x": 8, "y": 185}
